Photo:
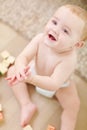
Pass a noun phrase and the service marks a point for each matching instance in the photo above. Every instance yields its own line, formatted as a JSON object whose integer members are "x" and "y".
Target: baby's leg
{"x": 27, "y": 107}
{"x": 70, "y": 103}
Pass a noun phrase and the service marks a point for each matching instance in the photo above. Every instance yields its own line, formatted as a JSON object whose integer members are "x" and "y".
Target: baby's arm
{"x": 61, "y": 73}
{"x": 28, "y": 53}
{"x": 25, "y": 57}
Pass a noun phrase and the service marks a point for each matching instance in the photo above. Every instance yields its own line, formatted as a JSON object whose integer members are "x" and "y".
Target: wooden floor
{"x": 49, "y": 110}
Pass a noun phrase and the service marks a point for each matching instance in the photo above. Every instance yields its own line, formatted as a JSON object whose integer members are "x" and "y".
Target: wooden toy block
{"x": 1, "y": 113}
{"x": 5, "y": 54}
{"x": 50, "y": 127}
{"x": 3, "y": 69}
{"x": 6, "y": 62}
{"x": 11, "y": 59}
{"x": 28, "y": 127}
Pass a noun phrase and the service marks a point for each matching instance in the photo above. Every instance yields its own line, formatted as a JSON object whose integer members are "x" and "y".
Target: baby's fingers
{"x": 20, "y": 76}
{"x": 13, "y": 81}
{"x": 28, "y": 73}
{"x": 8, "y": 78}
{"x": 23, "y": 74}
{"x": 26, "y": 69}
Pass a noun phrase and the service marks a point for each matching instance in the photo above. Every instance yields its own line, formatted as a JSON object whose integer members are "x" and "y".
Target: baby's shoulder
{"x": 71, "y": 60}
{"x": 36, "y": 39}
{"x": 39, "y": 36}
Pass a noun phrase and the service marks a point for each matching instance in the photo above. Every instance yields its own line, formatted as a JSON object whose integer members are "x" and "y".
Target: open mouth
{"x": 51, "y": 37}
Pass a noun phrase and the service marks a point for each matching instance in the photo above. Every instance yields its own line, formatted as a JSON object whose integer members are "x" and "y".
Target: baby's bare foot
{"x": 27, "y": 112}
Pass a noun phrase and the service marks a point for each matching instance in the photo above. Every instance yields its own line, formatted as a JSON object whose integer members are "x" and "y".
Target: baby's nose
{"x": 56, "y": 32}
{"x": 57, "y": 29}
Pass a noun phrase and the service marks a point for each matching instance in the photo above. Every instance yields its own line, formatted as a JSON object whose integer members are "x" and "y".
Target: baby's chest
{"x": 47, "y": 62}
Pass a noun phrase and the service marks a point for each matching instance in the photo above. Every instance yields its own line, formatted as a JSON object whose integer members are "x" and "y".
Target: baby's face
{"x": 63, "y": 30}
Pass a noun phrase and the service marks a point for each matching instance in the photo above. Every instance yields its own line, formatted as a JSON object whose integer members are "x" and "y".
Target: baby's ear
{"x": 80, "y": 44}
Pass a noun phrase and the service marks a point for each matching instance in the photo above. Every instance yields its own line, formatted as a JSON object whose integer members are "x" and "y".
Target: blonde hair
{"x": 82, "y": 13}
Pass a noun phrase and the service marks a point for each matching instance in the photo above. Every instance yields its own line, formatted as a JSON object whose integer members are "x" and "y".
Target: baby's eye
{"x": 54, "y": 22}
{"x": 66, "y": 31}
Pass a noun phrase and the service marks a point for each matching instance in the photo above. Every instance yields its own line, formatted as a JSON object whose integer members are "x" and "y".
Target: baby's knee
{"x": 11, "y": 71}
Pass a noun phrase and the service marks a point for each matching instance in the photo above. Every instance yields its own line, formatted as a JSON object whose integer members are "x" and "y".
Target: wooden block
{"x": 11, "y": 59}
{"x": 8, "y": 60}
{"x": 5, "y": 63}
{"x": 28, "y": 127}
{"x": 3, "y": 69}
{"x": 5, "y": 54}
{"x": 50, "y": 127}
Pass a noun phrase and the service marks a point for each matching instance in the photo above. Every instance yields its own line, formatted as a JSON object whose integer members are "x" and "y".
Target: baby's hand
{"x": 18, "y": 78}
{"x": 22, "y": 73}
{"x": 12, "y": 80}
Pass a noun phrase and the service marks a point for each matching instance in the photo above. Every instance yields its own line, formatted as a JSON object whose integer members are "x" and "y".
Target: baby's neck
{"x": 67, "y": 51}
